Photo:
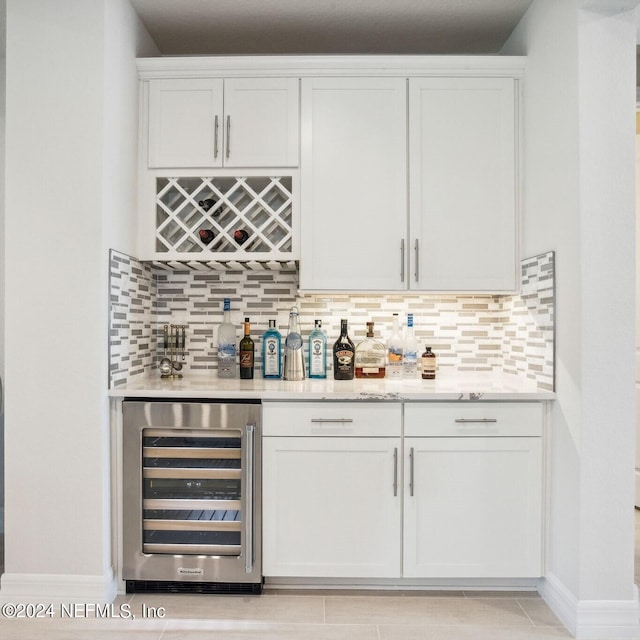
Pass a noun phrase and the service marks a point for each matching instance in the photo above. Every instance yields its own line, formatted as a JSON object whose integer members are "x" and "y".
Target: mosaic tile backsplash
{"x": 514, "y": 334}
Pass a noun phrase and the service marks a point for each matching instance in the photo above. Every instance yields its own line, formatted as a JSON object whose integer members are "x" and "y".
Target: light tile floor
{"x": 310, "y": 615}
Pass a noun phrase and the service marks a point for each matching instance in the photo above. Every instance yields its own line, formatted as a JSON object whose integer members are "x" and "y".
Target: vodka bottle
{"x": 318, "y": 352}
{"x": 227, "y": 344}
{"x": 271, "y": 346}
{"x": 394, "y": 351}
{"x": 410, "y": 351}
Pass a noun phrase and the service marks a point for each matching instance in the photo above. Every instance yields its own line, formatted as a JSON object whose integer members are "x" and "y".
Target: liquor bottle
{"x": 227, "y": 345}
{"x": 247, "y": 353}
{"x": 240, "y": 236}
{"x": 394, "y": 352}
{"x": 206, "y": 236}
{"x": 371, "y": 356}
{"x": 318, "y": 352}
{"x": 271, "y": 343}
{"x": 428, "y": 364}
{"x": 206, "y": 204}
{"x": 343, "y": 355}
{"x": 293, "y": 359}
{"x": 410, "y": 350}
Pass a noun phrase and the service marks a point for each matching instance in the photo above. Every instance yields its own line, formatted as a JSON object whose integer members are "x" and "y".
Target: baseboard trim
{"x": 36, "y": 588}
{"x": 591, "y": 619}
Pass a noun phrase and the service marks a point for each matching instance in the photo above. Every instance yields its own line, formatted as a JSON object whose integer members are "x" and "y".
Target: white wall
{"x": 579, "y": 193}
{"x": 71, "y": 114}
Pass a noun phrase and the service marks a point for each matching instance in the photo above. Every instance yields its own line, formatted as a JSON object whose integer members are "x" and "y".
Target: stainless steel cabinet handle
{"x": 248, "y": 515}
{"x": 215, "y": 137}
{"x": 417, "y": 250}
{"x": 480, "y": 420}
{"x": 411, "y": 471}
{"x": 228, "y": 135}
{"x": 395, "y": 472}
{"x": 402, "y": 260}
{"x": 340, "y": 420}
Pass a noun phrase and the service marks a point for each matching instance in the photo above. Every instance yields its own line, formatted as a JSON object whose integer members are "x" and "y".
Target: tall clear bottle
{"x": 410, "y": 351}
{"x": 271, "y": 346}
{"x": 318, "y": 352}
{"x": 394, "y": 350}
{"x": 227, "y": 344}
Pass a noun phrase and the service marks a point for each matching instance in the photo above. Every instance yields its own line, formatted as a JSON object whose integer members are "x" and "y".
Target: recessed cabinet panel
{"x": 182, "y": 123}
{"x": 354, "y": 183}
{"x": 463, "y": 206}
{"x": 473, "y": 507}
{"x": 332, "y": 507}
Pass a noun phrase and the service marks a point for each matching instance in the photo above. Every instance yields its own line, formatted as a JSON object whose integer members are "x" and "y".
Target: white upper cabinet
{"x": 463, "y": 184}
{"x": 235, "y": 122}
{"x": 353, "y": 183}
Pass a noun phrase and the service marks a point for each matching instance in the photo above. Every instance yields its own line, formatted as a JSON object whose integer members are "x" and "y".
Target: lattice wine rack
{"x": 240, "y": 216}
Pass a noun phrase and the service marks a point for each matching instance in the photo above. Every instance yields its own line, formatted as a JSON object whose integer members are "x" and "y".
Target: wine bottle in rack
{"x": 206, "y": 204}
{"x": 240, "y": 236}
{"x": 206, "y": 236}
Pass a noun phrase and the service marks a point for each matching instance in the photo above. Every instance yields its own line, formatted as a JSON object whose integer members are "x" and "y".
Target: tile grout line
{"x": 525, "y": 612}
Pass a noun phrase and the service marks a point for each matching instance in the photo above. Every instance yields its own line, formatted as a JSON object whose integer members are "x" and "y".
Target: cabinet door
{"x": 331, "y": 507}
{"x": 185, "y": 123}
{"x": 473, "y": 507}
{"x": 353, "y": 183}
{"x": 463, "y": 203}
{"x": 261, "y": 122}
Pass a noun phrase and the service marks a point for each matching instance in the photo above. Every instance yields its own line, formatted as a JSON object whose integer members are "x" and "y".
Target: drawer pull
{"x": 339, "y": 420}
{"x": 411, "y": 459}
{"x": 395, "y": 472}
{"x": 480, "y": 420}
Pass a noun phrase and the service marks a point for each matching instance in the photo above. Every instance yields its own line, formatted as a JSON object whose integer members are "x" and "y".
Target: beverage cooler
{"x": 192, "y": 496}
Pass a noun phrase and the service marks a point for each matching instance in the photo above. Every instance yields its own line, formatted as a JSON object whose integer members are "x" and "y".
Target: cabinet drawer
{"x": 331, "y": 418}
{"x": 473, "y": 419}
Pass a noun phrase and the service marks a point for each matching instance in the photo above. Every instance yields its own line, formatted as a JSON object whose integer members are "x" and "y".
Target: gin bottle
{"x": 227, "y": 344}
{"x": 410, "y": 351}
{"x": 371, "y": 356}
{"x": 394, "y": 352}
{"x": 318, "y": 352}
{"x": 271, "y": 344}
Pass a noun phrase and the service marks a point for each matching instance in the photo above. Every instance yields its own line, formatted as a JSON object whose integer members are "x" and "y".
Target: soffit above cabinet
{"x": 311, "y": 66}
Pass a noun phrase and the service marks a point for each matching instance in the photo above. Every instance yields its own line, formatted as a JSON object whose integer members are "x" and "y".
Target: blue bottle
{"x": 271, "y": 346}
{"x": 318, "y": 352}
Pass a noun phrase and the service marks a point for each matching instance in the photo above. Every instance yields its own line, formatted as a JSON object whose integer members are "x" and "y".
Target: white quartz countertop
{"x": 447, "y": 386}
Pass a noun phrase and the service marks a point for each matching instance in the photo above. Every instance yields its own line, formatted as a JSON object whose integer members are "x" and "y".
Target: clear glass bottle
{"x": 227, "y": 344}
{"x": 394, "y": 350}
{"x": 247, "y": 353}
{"x": 343, "y": 355}
{"x": 371, "y": 356}
{"x": 410, "y": 351}
{"x": 271, "y": 346}
{"x": 428, "y": 364}
{"x": 318, "y": 352}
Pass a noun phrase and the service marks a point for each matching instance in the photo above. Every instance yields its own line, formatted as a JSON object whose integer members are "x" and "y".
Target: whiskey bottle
{"x": 428, "y": 364}
{"x": 247, "y": 353}
{"x": 343, "y": 355}
{"x": 371, "y": 356}
{"x": 318, "y": 352}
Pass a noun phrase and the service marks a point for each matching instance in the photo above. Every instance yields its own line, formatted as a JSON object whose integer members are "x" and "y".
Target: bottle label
{"x": 246, "y": 359}
{"x": 226, "y": 352}
{"x": 345, "y": 358}
{"x": 271, "y": 357}
{"x": 317, "y": 357}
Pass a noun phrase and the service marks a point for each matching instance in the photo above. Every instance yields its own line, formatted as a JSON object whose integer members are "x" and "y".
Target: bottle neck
{"x": 247, "y": 328}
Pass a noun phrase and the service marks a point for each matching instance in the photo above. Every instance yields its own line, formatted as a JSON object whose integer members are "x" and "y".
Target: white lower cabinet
{"x": 349, "y": 493}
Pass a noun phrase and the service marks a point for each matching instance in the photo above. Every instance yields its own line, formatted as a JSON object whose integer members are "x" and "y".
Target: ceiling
{"x": 236, "y": 27}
